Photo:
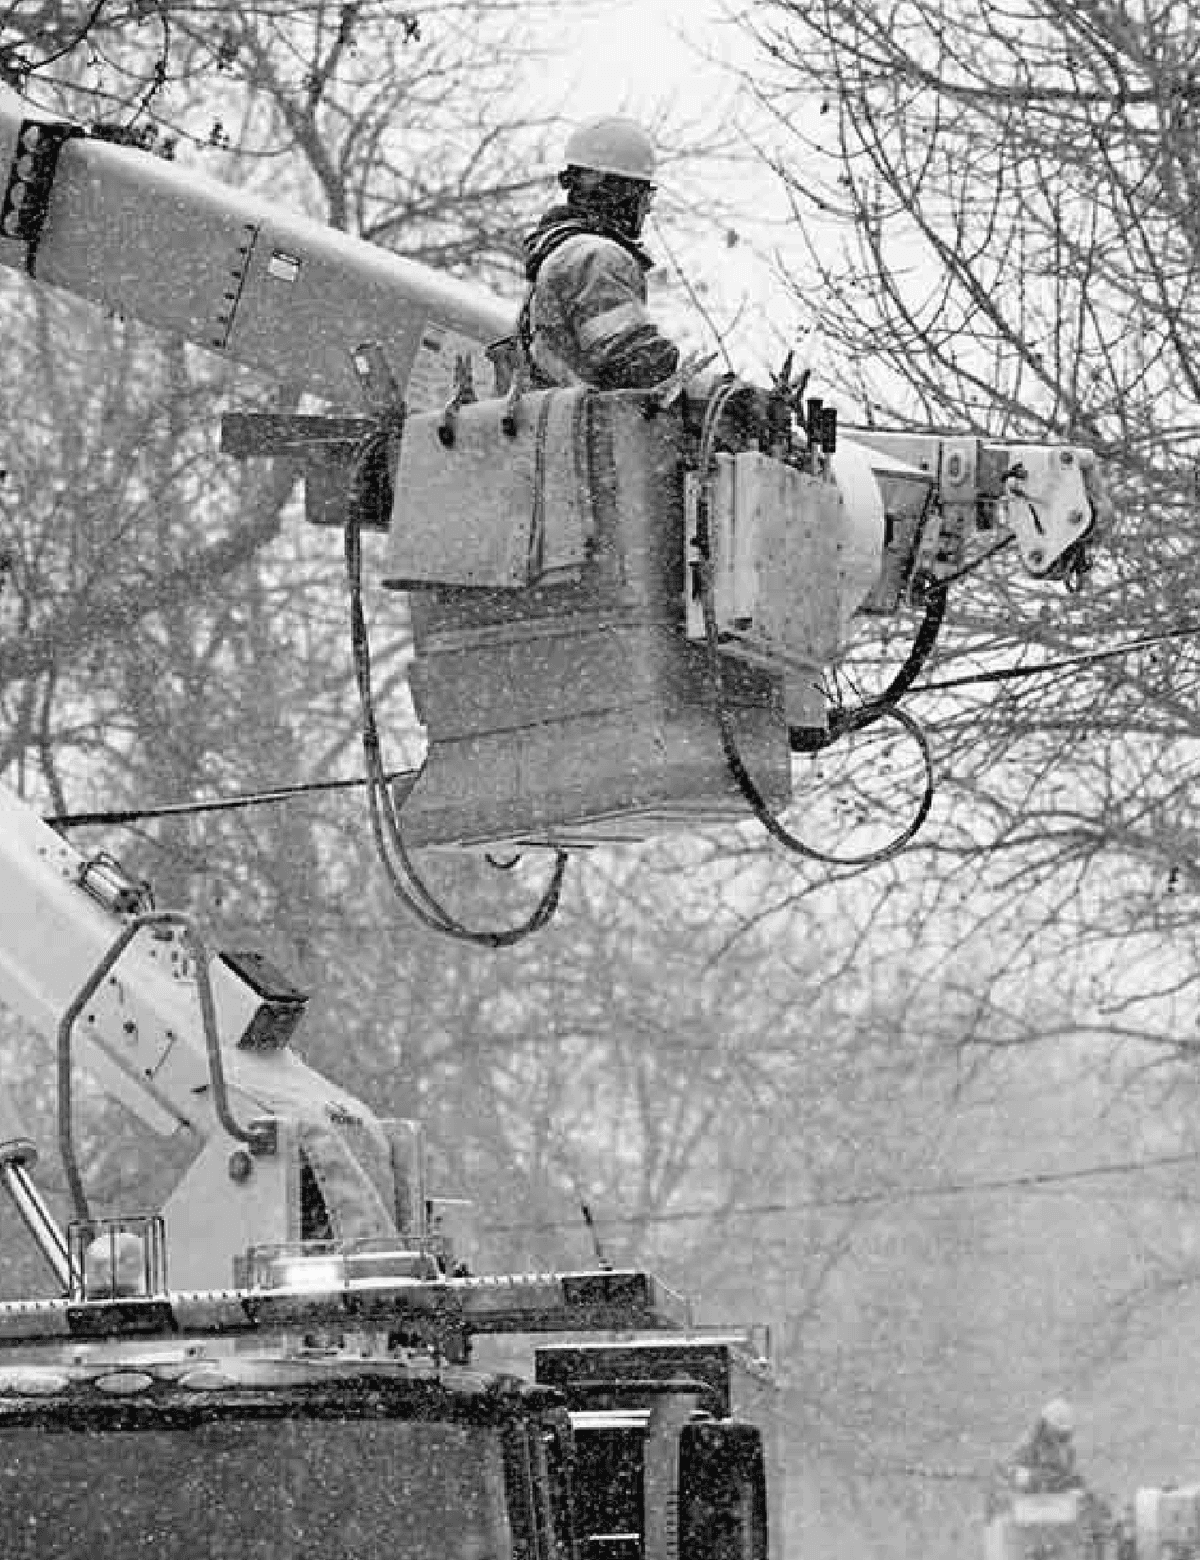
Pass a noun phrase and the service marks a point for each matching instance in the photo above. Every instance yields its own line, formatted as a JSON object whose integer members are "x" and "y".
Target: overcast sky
{"x": 642, "y": 56}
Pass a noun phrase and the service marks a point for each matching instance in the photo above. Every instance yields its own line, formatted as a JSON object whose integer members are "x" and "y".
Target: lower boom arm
{"x": 190, "y": 1042}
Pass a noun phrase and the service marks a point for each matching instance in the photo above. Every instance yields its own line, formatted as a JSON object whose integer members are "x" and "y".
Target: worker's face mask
{"x": 645, "y": 202}
{"x": 623, "y": 202}
{"x": 634, "y": 208}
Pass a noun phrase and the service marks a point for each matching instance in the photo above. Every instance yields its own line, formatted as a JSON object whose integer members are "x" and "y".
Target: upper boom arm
{"x": 225, "y": 268}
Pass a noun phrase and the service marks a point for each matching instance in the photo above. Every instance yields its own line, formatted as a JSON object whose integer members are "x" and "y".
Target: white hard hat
{"x": 1057, "y": 1416}
{"x": 612, "y": 145}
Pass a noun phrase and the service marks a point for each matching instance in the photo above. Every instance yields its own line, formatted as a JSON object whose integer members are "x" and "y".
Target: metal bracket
{"x": 247, "y": 435}
{"x": 30, "y": 181}
{"x": 328, "y": 451}
{"x": 216, "y": 1070}
{"x": 380, "y": 388}
{"x": 464, "y": 395}
{"x": 512, "y": 405}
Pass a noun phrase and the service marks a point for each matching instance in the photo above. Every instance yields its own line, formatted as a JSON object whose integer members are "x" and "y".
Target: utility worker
{"x": 584, "y": 320}
{"x": 1044, "y": 1462}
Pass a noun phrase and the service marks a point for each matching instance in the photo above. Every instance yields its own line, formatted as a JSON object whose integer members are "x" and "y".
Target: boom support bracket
{"x": 30, "y": 180}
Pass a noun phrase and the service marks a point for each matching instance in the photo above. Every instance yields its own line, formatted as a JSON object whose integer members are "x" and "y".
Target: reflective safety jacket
{"x": 1043, "y": 1464}
{"x": 585, "y": 320}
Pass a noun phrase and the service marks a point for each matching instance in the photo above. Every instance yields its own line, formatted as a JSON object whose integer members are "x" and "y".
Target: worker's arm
{"x": 599, "y": 291}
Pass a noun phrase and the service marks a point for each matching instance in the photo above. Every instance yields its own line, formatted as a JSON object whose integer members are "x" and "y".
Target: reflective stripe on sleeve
{"x": 622, "y": 320}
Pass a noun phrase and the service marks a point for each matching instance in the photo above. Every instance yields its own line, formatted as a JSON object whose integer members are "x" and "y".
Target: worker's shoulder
{"x": 586, "y": 251}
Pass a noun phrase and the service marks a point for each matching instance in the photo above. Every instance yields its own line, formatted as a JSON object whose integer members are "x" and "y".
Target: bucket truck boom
{"x": 593, "y": 578}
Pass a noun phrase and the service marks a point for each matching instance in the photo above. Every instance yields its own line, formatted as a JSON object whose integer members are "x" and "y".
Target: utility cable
{"x": 114, "y": 816}
{"x": 1031, "y": 1181}
{"x": 860, "y": 716}
{"x": 717, "y": 405}
{"x": 407, "y": 883}
{"x": 287, "y": 793}
{"x": 1062, "y": 663}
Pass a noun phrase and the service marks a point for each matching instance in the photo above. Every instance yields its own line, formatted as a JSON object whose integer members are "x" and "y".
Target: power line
{"x": 282, "y": 793}
{"x": 1061, "y": 663}
{"x": 1034, "y": 1180}
{"x": 286, "y": 793}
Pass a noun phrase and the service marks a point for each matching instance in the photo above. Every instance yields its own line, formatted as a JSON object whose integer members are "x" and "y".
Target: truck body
{"x": 277, "y": 1361}
{"x": 195, "y": 1451}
